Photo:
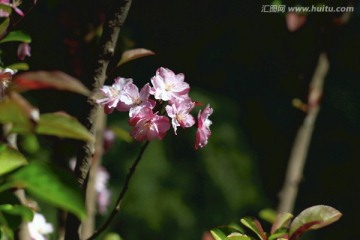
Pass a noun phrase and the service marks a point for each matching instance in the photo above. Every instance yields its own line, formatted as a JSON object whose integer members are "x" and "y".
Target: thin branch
{"x": 302, "y": 141}
{"x": 121, "y": 196}
{"x": 107, "y": 43}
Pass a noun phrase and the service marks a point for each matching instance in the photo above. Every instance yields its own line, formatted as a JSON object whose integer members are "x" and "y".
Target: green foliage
{"x": 311, "y": 218}
{"x": 62, "y": 125}
{"x": 10, "y": 159}
{"x": 12, "y": 214}
{"x": 54, "y": 186}
{"x": 112, "y": 236}
{"x": 17, "y": 112}
{"x": 16, "y": 36}
{"x": 5, "y": 8}
{"x": 255, "y": 226}
{"x": 4, "y": 25}
{"x": 19, "y": 66}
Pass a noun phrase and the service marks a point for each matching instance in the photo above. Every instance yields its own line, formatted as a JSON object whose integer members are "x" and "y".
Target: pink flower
{"x": 168, "y": 86}
{"x": 148, "y": 125}
{"x": 103, "y": 193}
{"x": 112, "y": 94}
{"x": 133, "y": 101}
{"x": 179, "y": 112}
{"x": 203, "y": 132}
{"x": 23, "y": 50}
{"x": 14, "y": 5}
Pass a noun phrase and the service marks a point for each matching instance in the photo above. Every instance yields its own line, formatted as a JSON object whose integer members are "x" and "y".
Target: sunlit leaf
{"x": 19, "y": 66}
{"x": 49, "y": 79}
{"x": 112, "y": 236}
{"x": 282, "y": 221}
{"x": 16, "y": 36}
{"x": 30, "y": 143}
{"x": 26, "y": 213}
{"x": 54, "y": 186}
{"x": 132, "y": 54}
{"x": 19, "y": 112}
{"x": 10, "y": 159}
{"x": 280, "y": 232}
{"x": 268, "y": 215}
{"x": 4, "y": 25}
{"x": 61, "y": 124}
{"x": 255, "y": 226}
{"x": 313, "y": 218}
{"x": 218, "y": 234}
{"x": 237, "y": 236}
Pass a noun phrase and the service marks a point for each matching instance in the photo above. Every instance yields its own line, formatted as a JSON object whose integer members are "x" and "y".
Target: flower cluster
{"x": 151, "y": 108}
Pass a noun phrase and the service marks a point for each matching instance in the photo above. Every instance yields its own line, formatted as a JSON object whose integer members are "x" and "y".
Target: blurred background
{"x": 249, "y": 66}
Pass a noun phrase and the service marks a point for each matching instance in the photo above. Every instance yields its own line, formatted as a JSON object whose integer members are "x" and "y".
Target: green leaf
{"x": 280, "y": 232}
{"x": 29, "y": 143}
{"x": 4, "y": 25}
{"x": 237, "y": 236}
{"x": 253, "y": 224}
{"x": 112, "y": 236}
{"x": 10, "y": 159}
{"x": 282, "y": 221}
{"x": 26, "y": 213}
{"x": 19, "y": 66}
{"x": 16, "y": 36}
{"x": 18, "y": 111}
{"x": 313, "y": 218}
{"x": 268, "y": 215}
{"x": 218, "y": 234}
{"x": 61, "y": 124}
{"x": 49, "y": 80}
{"x": 54, "y": 186}
{"x": 133, "y": 54}
{"x": 5, "y": 8}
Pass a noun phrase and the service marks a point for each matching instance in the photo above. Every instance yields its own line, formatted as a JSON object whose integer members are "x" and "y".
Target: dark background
{"x": 249, "y": 66}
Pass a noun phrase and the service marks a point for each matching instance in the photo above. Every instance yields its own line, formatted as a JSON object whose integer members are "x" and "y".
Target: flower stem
{"x": 121, "y": 196}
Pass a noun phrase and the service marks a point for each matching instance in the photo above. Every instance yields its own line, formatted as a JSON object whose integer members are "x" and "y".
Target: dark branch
{"x": 121, "y": 196}
{"x": 116, "y": 18}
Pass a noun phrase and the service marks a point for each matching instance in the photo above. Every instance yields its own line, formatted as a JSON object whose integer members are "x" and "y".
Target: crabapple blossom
{"x": 112, "y": 94}
{"x": 149, "y": 125}
{"x": 132, "y": 100}
{"x": 168, "y": 86}
{"x": 23, "y": 50}
{"x": 14, "y": 5}
{"x": 203, "y": 132}
{"x": 103, "y": 193}
{"x": 38, "y": 227}
{"x": 179, "y": 112}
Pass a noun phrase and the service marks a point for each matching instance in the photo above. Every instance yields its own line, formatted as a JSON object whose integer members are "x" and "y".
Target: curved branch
{"x": 121, "y": 196}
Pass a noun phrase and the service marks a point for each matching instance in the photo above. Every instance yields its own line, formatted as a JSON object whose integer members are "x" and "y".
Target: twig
{"x": 87, "y": 226}
{"x": 302, "y": 141}
{"x": 121, "y": 196}
{"x": 108, "y": 40}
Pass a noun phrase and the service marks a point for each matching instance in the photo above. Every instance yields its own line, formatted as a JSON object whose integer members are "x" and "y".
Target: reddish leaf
{"x": 313, "y": 218}
{"x": 19, "y": 112}
{"x": 132, "y": 54}
{"x": 253, "y": 224}
{"x": 49, "y": 79}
